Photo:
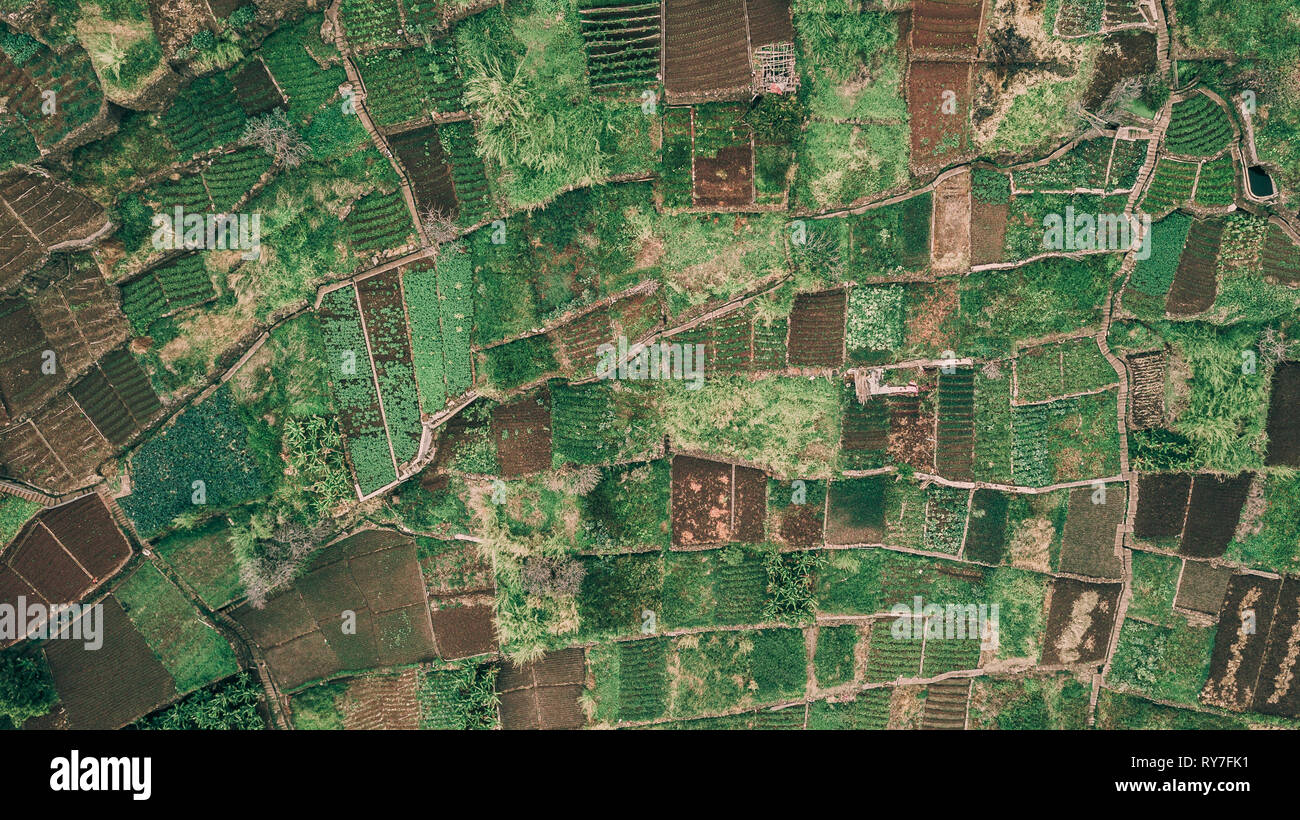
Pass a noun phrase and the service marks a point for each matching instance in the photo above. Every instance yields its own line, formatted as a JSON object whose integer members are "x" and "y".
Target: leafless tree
{"x": 439, "y": 225}
{"x": 1274, "y": 347}
{"x": 275, "y": 135}
{"x": 553, "y": 576}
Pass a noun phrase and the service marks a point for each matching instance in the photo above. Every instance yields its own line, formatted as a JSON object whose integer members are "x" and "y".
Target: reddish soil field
{"x": 701, "y": 501}
{"x": 46, "y": 565}
{"x": 86, "y": 528}
{"x": 464, "y": 631}
{"x": 1283, "y": 421}
{"x": 940, "y": 120}
{"x": 706, "y": 51}
{"x": 817, "y": 329}
{"x": 421, "y": 154}
{"x": 1202, "y": 587}
{"x": 1088, "y": 542}
{"x": 256, "y": 91}
{"x": 1079, "y": 621}
{"x": 522, "y": 431}
{"x": 988, "y": 232}
{"x": 1147, "y": 397}
{"x": 750, "y": 505}
{"x": 769, "y": 22}
{"x": 950, "y": 26}
{"x": 911, "y": 430}
{"x": 1195, "y": 286}
{"x": 1278, "y": 690}
{"x": 1123, "y": 55}
{"x": 1239, "y": 650}
{"x": 1213, "y": 514}
{"x": 1162, "y": 505}
{"x": 726, "y": 180}
{"x": 799, "y": 525}
{"x": 110, "y": 687}
{"x": 945, "y": 705}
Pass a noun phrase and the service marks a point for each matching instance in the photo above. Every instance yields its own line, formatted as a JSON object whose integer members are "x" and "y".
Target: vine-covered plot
{"x": 421, "y": 154}
{"x": 1170, "y": 187}
{"x": 256, "y": 90}
{"x": 166, "y": 289}
{"x": 600, "y": 423}
{"x": 865, "y": 437}
{"x": 385, "y": 321}
{"x": 622, "y": 43}
{"x": 890, "y": 239}
{"x": 718, "y": 671}
{"x": 950, "y": 26}
{"x": 1079, "y": 17}
{"x": 1055, "y": 370}
{"x": 1217, "y": 185}
{"x": 117, "y": 396}
{"x": 945, "y": 518}
{"x": 643, "y": 679}
{"x": 1199, "y": 127}
{"x": 380, "y": 222}
{"x": 938, "y": 105}
{"x": 355, "y": 395}
{"x": 407, "y": 84}
{"x": 440, "y": 311}
{"x": 706, "y": 50}
{"x": 894, "y": 652}
{"x": 723, "y": 156}
{"x": 675, "y": 182}
{"x": 1085, "y": 166}
{"x": 371, "y": 23}
{"x": 230, "y": 176}
{"x": 1195, "y": 284}
{"x": 955, "y": 447}
{"x": 993, "y": 421}
{"x": 876, "y": 324}
{"x": 299, "y": 76}
{"x": 27, "y": 80}
{"x": 468, "y": 176}
{"x": 206, "y": 114}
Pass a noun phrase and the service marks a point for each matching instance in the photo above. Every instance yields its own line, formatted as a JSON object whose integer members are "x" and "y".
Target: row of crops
{"x": 1199, "y": 127}
{"x": 439, "y": 306}
{"x": 385, "y": 321}
{"x": 622, "y": 44}
{"x": 407, "y": 84}
{"x": 217, "y": 188}
{"x": 1085, "y": 166}
{"x": 1051, "y": 371}
{"x": 1171, "y": 186}
{"x": 166, "y": 289}
{"x": 356, "y": 397}
{"x": 27, "y": 74}
{"x": 206, "y": 114}
{"x": 954, "y": 453}
{"x": 379, "y": 222}
{"x": 468, "y": 175}
{"x": 117, "y": 397}
{"x": 675, "y": 166}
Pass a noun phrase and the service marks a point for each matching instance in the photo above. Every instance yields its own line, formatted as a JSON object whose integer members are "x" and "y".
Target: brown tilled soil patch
{"x": 1079, "y": 621}
{"x": 1213, "y": 513}
{"x": 465, "y": 631}
{"x": 701, "y": 501}
{"x": 1088, "y": 542}
{"x": 952, "y": 223}
{"x": 988, "y": 231}
{"x": 1202, "y": 587}
{"x": 1283, "y": 420}
{"x": 1278, "y": 690}
{"x": 1162, "y": 505}
{"x": 938, "y": 104}
{"x": 726, "y": 179}
{"x": 1239, "y": 643}
{"x": 817, "y": 329}
{"x": 751, "y": 505}
{"x": 382, "y": 702}
{"x": 522, "y": 431}
{"x": 945, "y": 705}
{"x": 911, "y": 430}
{"x": 1195, "y": 284}
{"x": 1147, "y": 397}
